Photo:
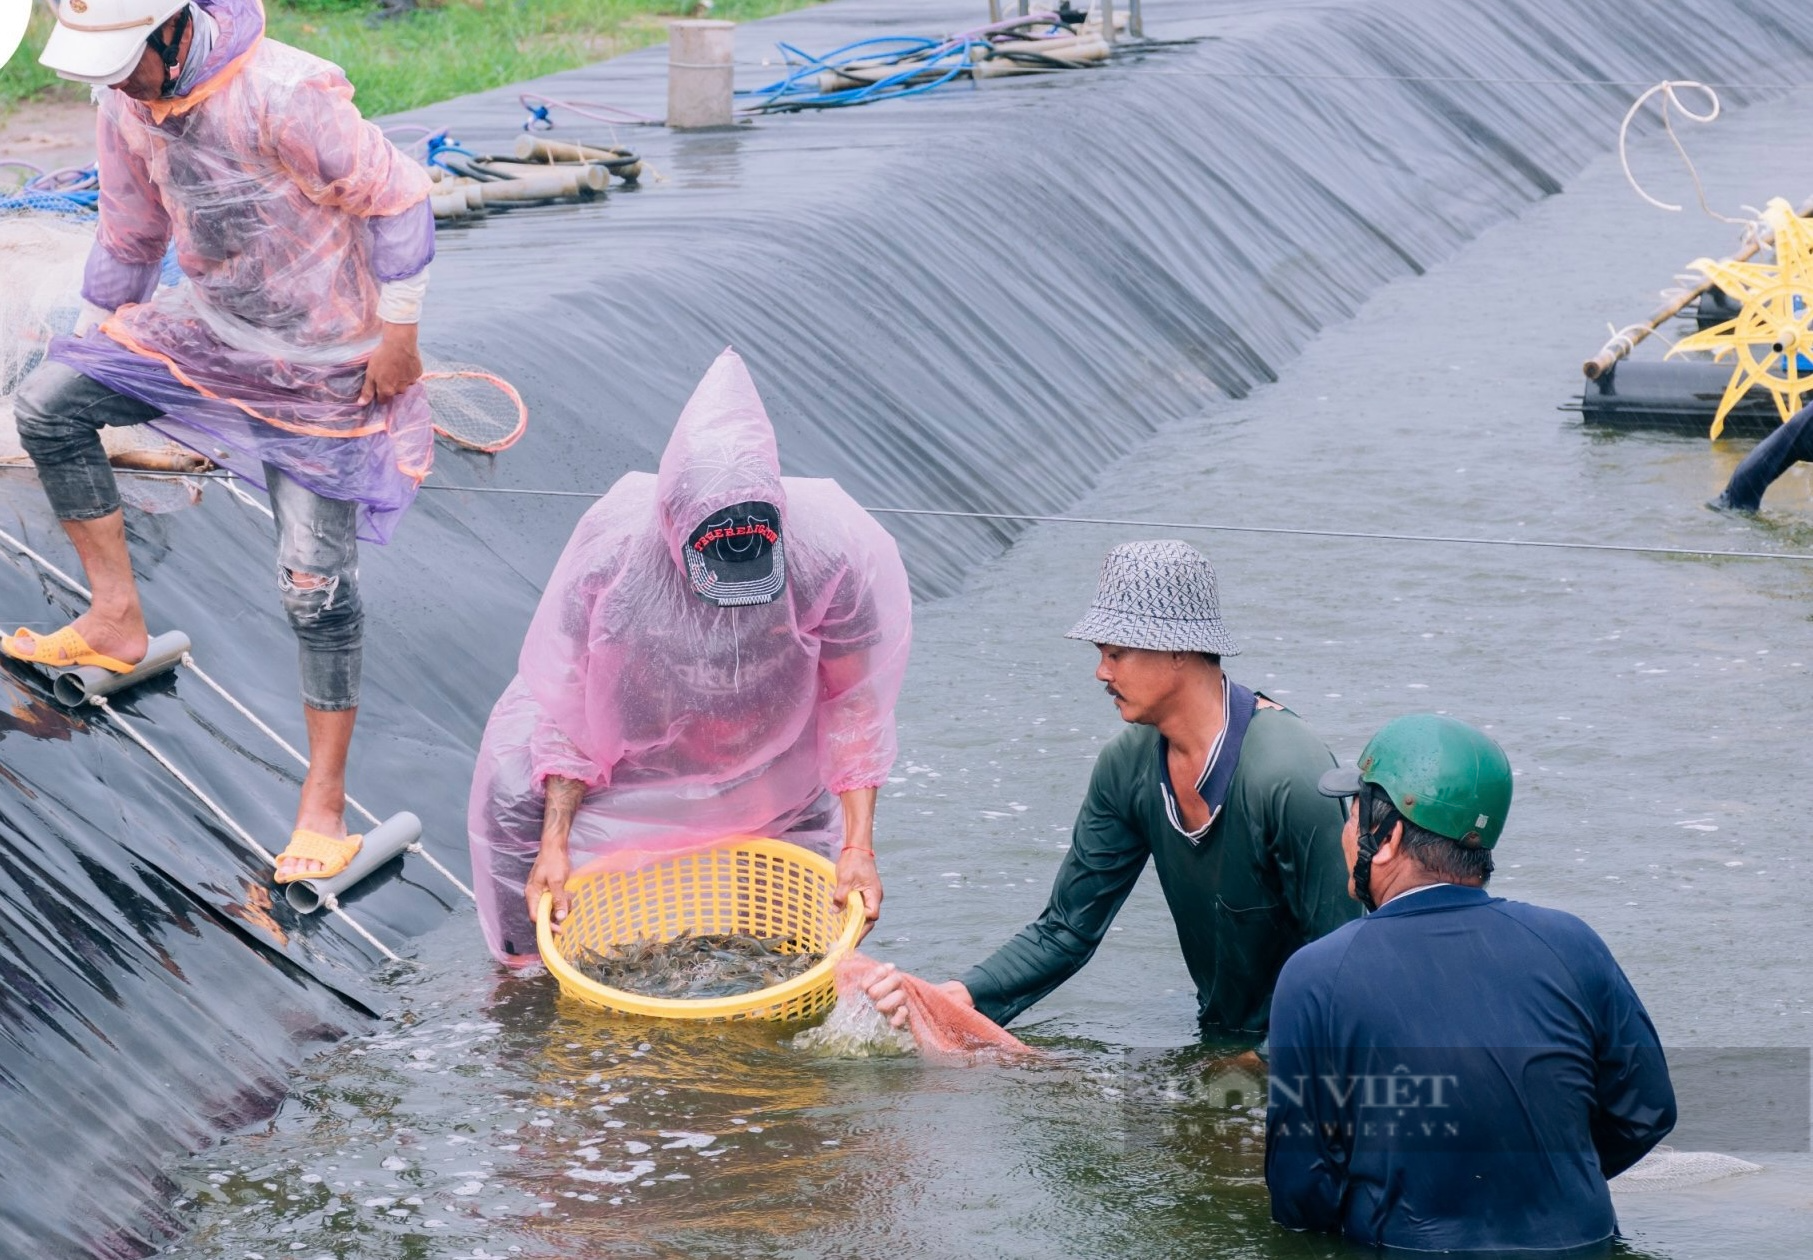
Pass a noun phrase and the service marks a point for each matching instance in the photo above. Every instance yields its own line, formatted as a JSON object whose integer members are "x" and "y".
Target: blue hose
{"x": 914, "y": 55}
{"x": 440, "y": 143}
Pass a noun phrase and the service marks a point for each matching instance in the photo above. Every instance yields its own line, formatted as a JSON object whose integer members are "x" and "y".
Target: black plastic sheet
{"x": 975, "y": 299}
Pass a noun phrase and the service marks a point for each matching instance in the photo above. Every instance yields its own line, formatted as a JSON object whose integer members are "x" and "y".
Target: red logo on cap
{"x": 735, "y": 531}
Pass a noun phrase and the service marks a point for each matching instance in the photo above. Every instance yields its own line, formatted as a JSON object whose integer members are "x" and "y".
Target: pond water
{"x": 1655, "y": 709}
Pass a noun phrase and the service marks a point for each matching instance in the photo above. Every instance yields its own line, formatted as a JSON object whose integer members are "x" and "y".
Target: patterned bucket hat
{"x": 1158, "y": 595}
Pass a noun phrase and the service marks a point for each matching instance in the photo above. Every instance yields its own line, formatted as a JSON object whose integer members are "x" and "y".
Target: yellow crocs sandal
{"x": 312, "y": 846}
{"x": 66, "y": 649}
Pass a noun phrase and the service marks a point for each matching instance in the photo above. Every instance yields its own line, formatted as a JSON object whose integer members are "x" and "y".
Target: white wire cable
{"x": 1451, "y": 539}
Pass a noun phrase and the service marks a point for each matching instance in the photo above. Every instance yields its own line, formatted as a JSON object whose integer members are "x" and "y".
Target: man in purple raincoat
{"x": 287, "y": 353}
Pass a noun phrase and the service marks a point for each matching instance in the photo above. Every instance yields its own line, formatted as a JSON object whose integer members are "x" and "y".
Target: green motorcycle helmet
{"x": 1440, "y": 773}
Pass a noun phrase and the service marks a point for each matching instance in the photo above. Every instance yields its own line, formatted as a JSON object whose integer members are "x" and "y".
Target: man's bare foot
{"x": 122, "y": 637}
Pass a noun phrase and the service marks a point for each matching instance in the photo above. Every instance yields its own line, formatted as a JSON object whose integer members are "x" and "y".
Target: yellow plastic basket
{"x": 745, "y": 884}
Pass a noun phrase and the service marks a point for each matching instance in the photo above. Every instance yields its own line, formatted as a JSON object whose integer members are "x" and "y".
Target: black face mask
{"x": 1370, "y": 838}
{"x": 170, "y": 52}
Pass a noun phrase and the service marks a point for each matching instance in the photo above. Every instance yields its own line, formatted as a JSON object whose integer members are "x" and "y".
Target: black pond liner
{"x": 972, "y": 299}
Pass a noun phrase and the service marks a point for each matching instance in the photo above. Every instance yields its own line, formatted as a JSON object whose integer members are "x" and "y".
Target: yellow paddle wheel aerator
{"x": 1770, "y": 343}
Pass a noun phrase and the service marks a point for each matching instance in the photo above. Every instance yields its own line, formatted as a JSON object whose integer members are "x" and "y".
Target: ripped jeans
{"x": 60, "y": 414}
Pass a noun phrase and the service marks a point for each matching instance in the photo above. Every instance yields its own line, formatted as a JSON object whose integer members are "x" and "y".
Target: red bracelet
{"x": 857, "y": 848}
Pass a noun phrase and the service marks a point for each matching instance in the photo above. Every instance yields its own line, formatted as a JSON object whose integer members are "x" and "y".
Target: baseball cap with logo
{"x": 735, "y": 557}
{"x": 100, "y": 41}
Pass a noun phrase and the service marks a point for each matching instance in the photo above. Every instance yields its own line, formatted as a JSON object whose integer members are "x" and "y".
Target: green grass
{"x": 446, "y": 48}
{"x": 23, "y": 78}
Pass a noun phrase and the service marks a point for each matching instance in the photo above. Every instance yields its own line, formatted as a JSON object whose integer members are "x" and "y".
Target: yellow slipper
{"x": 66, "y": 649}
{"x": 312, "y": 846}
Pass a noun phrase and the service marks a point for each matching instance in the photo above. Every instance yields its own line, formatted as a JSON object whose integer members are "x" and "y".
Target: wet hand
{"x": 856, "y": 873}
{"x": 549, "y": 875}
{"x": 888, "y": 992}
{"x": 394, "y": 366}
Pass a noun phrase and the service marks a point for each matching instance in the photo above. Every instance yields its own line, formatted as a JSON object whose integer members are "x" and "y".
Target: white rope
{"x": 1667, "y": 89}
{"x": 420, "y": 851}
{"x": 1146, "y": 70}
{"x": 227, "y": 820}
{"x": 1365, "y": 535}
{"x": 233, "y": 488}
{"x": 1624, "y": 340}
{"x": 46, "y": 565}
{"x": 262, "y": 725}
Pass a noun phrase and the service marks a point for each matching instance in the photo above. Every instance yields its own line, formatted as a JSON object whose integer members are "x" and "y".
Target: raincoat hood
{"x": 722, "y": 452}
{"x": 241, "y": 24}
{"x": 686, "y": 720}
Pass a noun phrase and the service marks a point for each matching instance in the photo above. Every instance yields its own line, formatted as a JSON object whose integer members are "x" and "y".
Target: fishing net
{"x": 41, "y": 260}
{"x": 938, "y": 1026}
{"x": 40, "y": 295}
{"x": 1668, "y": 1169}
{"x": 473, "y": 408}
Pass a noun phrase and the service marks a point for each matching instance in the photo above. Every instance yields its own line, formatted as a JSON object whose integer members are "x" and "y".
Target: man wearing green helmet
{"x": 1455, "y": 1071}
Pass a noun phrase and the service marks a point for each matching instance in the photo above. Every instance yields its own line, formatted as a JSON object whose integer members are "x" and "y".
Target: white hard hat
{"x": 100, "y": 41}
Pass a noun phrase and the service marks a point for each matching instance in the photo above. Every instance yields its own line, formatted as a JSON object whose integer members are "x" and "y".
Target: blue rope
{"x": 77, "y": 204}
{"x": 77, "y": 197}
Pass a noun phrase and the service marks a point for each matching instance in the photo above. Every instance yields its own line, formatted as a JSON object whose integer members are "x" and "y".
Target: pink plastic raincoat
{"x": 268, "y": 181}
{"x": 690, "y": 722}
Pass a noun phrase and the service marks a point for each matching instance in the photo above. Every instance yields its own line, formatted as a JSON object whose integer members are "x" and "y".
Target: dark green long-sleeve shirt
{"x": 1267, "y": 877}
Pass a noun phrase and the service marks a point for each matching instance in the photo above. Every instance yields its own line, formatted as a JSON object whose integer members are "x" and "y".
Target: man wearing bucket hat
{"x": 1454, "y": 1072}
{"x": 1212, "y": 783}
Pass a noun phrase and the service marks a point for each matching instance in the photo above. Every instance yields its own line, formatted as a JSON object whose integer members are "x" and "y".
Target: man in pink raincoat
{"x": 287, "y": 353}
{"x": 718, "y": 653}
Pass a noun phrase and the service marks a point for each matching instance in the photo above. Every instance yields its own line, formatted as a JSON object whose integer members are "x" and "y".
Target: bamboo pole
{"x": 1630, "y": 338}
{"x": 538, "y": 149}
{"x": 172, "y": 459}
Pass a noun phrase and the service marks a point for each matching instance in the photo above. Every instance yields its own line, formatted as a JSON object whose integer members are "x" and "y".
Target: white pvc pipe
{"x": 78, "y": 686}
{"x": 382, "y": 843}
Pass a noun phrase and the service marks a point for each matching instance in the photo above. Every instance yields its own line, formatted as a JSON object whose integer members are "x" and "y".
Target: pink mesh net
{"x": 688, "y": 721}
{"x": 941, "y": 1026}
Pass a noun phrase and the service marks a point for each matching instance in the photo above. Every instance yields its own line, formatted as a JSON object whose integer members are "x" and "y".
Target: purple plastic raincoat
{"x": 288, "y": 210}
{"x": 687, "y": 721}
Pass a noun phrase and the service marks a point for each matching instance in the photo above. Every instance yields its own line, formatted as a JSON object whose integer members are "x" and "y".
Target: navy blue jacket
{"x": 1459, "y": 1072}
